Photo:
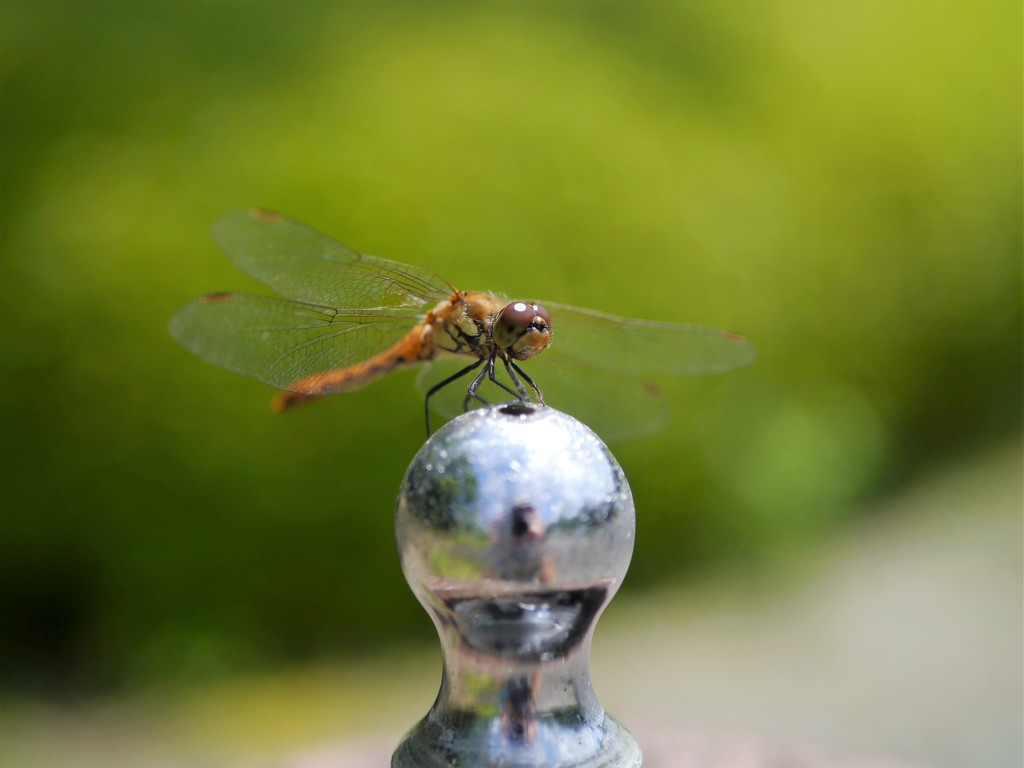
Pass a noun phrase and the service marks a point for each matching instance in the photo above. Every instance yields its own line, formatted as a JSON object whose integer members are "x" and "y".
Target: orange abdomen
{"x": 415, "y": 347}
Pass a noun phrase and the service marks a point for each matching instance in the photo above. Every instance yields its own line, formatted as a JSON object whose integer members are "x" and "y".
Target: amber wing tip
{"x": 215, "y": 298}
{"x": 286, "y": 401}
{"x": 264, "y": 214}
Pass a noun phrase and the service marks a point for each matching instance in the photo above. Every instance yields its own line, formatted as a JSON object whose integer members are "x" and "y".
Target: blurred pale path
{"x": 900, "y": 640}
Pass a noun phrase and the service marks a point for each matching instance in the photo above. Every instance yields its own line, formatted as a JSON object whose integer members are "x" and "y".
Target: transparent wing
{"x": 284, "y": 343}
{"x": 605, "y": 342}
{"x": 303, "y": 264}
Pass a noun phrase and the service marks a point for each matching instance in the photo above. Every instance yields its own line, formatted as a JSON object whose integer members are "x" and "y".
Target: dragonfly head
{"x": 522, "y": 329}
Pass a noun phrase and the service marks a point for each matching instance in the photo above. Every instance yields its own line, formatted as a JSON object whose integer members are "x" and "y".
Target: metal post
{"x": 515, "y": 527}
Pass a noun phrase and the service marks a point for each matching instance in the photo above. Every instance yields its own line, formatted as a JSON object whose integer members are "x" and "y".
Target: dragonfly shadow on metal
{"x": 347, "y": 319}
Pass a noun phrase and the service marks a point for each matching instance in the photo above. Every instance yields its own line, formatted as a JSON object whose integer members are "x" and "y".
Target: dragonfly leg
{"x": 513, "y": 369}
{"x": 441, "y": 385}
{"x": 521, "y": 394}
{"x": 471, "y": 393}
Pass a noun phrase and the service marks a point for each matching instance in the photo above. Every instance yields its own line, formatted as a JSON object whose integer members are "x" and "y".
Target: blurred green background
{"x": 839, "y": 182}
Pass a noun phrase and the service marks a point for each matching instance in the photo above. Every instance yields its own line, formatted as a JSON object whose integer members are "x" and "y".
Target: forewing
{"x": 301, "y": 263}
{"x": 641, "y": 347}
{"x": 281, "y": 342}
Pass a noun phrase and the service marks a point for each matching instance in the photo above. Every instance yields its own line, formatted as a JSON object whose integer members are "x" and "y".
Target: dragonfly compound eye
{"x": 522, "y": 328}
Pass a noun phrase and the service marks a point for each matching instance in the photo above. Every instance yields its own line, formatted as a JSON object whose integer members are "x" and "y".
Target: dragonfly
{"x": 345, "y": 319}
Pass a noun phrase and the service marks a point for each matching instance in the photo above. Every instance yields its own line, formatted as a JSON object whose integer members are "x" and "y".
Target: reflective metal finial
{"x": 515, "y": 526}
